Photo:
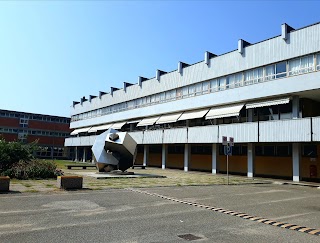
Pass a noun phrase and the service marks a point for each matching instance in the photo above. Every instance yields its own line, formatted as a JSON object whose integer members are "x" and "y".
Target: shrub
{"x": 13, "y": 152}
{"x": 34, "y": 169}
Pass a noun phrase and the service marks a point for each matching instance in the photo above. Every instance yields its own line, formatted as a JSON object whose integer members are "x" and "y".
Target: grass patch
{"x": 32, "y": 190}
{"x": 49, "y": 185}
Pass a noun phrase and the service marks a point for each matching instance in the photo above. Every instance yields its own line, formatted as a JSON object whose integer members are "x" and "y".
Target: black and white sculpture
{"x": 114, "y": 150}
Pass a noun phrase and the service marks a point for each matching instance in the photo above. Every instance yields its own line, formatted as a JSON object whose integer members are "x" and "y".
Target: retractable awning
{"x": 225, "y": 111}
{"x": 118, "y": 125}
{"x": 79, "y": 130}
{"x": 148, "y": 121}
{"x": 268, "y": 103}
{"x": 193, "y": 114}
{"x": 99, "y": 128}
{"x": 169, "y": 118}
{"x": 134, "y": 121}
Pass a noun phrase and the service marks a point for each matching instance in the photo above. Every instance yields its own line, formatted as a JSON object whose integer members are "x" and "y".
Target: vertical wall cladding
{"x": 137, "y": 136}
{"x": 242, "y": 132}
{"x": 178, "y": 135}
{"x": 316, "y": 129}
{"x": 153, "y": 137}
{"x": 207, "y": 134}
{"x": 297, "y": 130}
{"x": 300, "y": 42}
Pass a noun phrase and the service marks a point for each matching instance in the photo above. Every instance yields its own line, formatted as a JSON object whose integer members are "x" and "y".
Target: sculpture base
{"x": 116, "y": 172}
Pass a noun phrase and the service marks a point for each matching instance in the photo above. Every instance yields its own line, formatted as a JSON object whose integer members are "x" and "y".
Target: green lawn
{"x": 61, "y": 164}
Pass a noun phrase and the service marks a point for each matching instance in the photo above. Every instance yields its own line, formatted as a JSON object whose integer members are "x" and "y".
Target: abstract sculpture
{"x": 114, "y": 150}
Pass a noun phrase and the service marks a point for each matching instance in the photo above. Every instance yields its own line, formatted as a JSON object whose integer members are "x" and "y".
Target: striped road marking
{"x": 283, "y": 225}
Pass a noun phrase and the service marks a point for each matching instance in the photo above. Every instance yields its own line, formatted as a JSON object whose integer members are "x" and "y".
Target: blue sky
{"x": 54, "y": 52}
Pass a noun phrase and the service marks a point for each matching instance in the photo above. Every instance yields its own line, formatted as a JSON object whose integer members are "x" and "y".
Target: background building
{"x": 266, "y": 95}
{"x": 50, "y": 131}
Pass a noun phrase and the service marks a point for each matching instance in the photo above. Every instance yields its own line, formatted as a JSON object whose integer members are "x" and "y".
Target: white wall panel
{"x": 241, "y": 132}
{"x": 300, "y": 42}
{"x": 316, "y": 129}
{"x": 207, "y": 134}
{"x": 137, "y": 136}
{"x": 297, "y": 130}
{"x": 177, "y": 135}
{"x": 92, "y": 139}
{"x": 153, "y": 137}
{"x": 68, "y": 142}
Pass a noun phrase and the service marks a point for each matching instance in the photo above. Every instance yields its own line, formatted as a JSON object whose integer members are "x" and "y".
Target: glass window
{"x": 170, "y": 95}
{"x": 281, "y": 70}
{"x": 253, "y": 76}
{"x": 192, "y": 90}
{"x": 307, "y": 64}
{"x": 268, "y": 150}
{"x": 294, "y": 66}
{"x": 198, "y": 88}
{"x": 162, "y": 97}
{"x": 318, "y": 62}
{"x": 270, "y": 72}
{"x": 284, "y": 150}
{"x": 230, "y": 82}
{"x": 310, "y": 150}
{"x": 222, "y": 83}
{"x": 205, "y": 87}
{"x": 214, "y": 85}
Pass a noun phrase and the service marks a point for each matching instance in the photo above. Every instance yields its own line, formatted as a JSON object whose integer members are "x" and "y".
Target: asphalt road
{"x": 127, "y": 216}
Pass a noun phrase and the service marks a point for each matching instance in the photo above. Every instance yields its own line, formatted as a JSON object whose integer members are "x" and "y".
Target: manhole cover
{"x": 189, "y": 237}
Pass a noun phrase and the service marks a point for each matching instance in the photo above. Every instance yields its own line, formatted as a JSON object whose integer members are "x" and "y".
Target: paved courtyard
{"x": 157, "y": 214}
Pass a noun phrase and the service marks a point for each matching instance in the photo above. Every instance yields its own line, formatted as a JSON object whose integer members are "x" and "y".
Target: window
{"x": 307, "y": 64}
{"x": 170, "y": 95}
{"x": 205, "y": 87}
{"x": 318, "y": 62}
{"x": 301, "y": 65}
{"x": 270, "y": 72}
{"x": 281, "y": 70}
{"x": 198, "y": 88}
{"x": 192, "y": 90}
{"x": 214, "y": 85}
{"x": 310, "y": 150}
{"x": 222, "y": 83}
{"x": 234, "y": 80}
{"x": 253, "y": 76}
{"x": 284, "y": 150}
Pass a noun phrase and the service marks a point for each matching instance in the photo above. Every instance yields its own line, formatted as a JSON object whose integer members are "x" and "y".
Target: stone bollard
{"x": 69, "y": 182}
{"x": 4, "y": 183}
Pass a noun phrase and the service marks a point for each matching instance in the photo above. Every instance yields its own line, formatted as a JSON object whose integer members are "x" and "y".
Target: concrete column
{"x": 187, "y": 155}
{"x": 296, "y": 156}
{"x": 214, "y": 160}
{"x": 84, "y": 159}
{"x": 164, "y": 155}
{"x": 145, "y": 155}
{"x": 295, "y": 107}
{"x": 76, "y": 154}
{"x": 250, "y": 115}
{"x": 131, "y": 127}
{"x": 251, "y": 157}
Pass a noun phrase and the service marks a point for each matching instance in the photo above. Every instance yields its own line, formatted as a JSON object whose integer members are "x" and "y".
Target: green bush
{"x": 13, "y": 152}
{"x": 34, "y": 169}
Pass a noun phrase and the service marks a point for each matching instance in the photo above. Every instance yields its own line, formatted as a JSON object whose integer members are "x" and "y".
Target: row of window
{"x": 33, "y": 132}
{"x": 49, "y": 152}
{"x": 292, "y": 67}
{"x": 34, "y": 117}
{"x": 307, "y": 150}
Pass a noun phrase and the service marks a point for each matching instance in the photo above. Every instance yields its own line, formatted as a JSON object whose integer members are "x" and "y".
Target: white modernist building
{"x": 266, "y": 95}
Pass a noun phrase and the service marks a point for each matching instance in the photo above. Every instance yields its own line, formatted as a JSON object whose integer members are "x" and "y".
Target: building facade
{"x": 49, "y": 131}
{"x": 266, "y": 95}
